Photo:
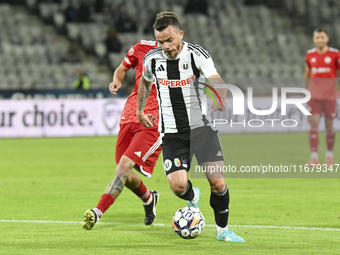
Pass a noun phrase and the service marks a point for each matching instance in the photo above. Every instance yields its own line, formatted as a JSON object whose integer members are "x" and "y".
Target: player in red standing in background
{"x": 322, "y": 64}
{"x": 137, "y": 147}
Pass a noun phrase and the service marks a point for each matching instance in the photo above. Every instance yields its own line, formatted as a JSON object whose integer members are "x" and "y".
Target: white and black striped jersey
{"x": 178, "y": 90}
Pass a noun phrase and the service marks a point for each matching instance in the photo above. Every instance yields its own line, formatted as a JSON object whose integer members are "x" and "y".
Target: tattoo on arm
{"x": 118, "y": 183}
{"x": 144, "y": 91}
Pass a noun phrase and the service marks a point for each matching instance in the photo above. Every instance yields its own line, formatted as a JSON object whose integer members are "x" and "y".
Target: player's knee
{"x": 125, "y": 164}
{"x": 218, "y": 185}
{"x": 313, "y": 121}
{"x": 178, "y": 188}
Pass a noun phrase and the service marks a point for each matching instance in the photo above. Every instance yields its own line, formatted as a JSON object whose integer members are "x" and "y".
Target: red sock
{"x": 105, "y": 202}
{"x": 142, "y": 192}
{"x": 330, "y": 139}
{"x": 313, "y": 139}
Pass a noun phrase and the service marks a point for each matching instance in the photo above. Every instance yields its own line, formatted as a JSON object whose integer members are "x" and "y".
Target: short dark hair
{"x": 320, "y": 30}
{"x": 165, "y": 19}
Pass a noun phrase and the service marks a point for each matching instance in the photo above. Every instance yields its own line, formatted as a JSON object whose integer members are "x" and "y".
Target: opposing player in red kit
{"x": 322, "y": 64}
{"x": 137, "y": 147}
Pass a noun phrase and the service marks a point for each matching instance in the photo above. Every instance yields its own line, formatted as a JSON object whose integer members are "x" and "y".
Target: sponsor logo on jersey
{"x": 167, "y": 164}
{"x": 177, "y": 162}
{"x": 328, "y": 60}
{"x": 160, "y": 68}
{"x": 176, "y": 83}
{"x": 321, "y": 70}
{"x": 313, "y": 60}
{"x": 138, "y": 153}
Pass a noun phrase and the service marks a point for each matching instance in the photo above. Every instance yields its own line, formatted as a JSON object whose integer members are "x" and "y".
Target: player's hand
{"x": 114, "y": 87}
{"x": 146, "y": 120}
{"x": 218, "y": 105}
{"x": 152, "y": 119}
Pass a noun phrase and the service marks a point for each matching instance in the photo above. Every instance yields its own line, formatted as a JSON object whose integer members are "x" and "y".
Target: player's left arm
{"x": 222, "y": 92}
{"x": 207, "y": 67}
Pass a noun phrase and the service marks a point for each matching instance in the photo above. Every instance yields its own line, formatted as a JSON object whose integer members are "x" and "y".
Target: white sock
{"x": 314, "y": 155}
{"x": 221, "y": 230}
{"x": 194, "y": 200}
{"x": 149, "y": 200}
{"x": 329, "y": 153}
{"x": 98, "y": 212}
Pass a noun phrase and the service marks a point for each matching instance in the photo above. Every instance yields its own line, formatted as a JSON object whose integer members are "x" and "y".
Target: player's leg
{"x": 209, "y": 154}
{"x": 219, "y": 202}
{"x": 144, "y": 149}
{"x": 176, "y": 163}
{"x": 182, "y": 187}
{"x": 330, "y": 114}
{"x": 314, "y": 138}
{"x": 149, "y": 198}
{"x": 314, "y": 119}
{"x": 113, "y": 190}
{"x": 330, "y": 139}
{"x": 125, "y": 177}
{"x": 126, "y": 144}
{"x": 315, "y": 107}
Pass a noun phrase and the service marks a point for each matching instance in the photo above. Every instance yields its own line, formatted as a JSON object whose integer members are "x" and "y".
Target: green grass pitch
{"x": 47, "y": 184}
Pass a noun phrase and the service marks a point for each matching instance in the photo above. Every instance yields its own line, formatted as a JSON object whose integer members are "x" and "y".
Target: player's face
{"x": 320, "y": 39}
{"x": 170, "y": 40}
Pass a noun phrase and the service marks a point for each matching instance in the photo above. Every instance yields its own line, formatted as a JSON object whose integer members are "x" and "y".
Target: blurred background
{"x": 44, "y": 43}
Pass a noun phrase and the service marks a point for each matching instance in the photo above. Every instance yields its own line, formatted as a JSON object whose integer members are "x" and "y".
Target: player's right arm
{"x": 144, "y": 90}
{"x": 129, "y": 61}
{"x": 307, "y": 76}
{"x": 118, "y": 77}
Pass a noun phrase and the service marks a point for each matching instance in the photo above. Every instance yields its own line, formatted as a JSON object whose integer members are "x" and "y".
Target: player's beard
{"x": 176, "y": 51}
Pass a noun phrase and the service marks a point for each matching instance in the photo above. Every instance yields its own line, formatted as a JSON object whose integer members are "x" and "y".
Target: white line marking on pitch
{"x": 162, "y": 224}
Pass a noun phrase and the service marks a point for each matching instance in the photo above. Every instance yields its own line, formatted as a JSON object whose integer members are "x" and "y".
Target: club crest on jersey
{"x": 185, "y": 66}
{"x": 328, "y": 60}
{"x": 177, "y": 162}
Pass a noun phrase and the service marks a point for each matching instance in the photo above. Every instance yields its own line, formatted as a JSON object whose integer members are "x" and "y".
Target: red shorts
{"x": 328, "y": 107}
{"x": 140, "y": 144}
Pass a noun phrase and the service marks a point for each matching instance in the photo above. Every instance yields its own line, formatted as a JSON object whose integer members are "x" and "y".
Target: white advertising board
{"x": 57, "y": 118}
{"x": 100, "y": 117}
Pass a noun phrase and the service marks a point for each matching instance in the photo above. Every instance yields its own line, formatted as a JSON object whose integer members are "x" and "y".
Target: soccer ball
{"x": 188, "y": 222}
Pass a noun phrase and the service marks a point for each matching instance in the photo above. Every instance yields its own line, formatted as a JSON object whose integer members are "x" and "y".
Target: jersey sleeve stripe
{"x": 311, "y": 50}
{"x": 333, "y": 49}
{"x": 146, "y": 42}
{"x": 153, "y": 51}
{"x": 200, "y": 49}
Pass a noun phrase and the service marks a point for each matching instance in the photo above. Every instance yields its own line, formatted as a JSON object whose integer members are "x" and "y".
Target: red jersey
{"x": 134, "y": 59}
{"x": 323, "y": 66}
